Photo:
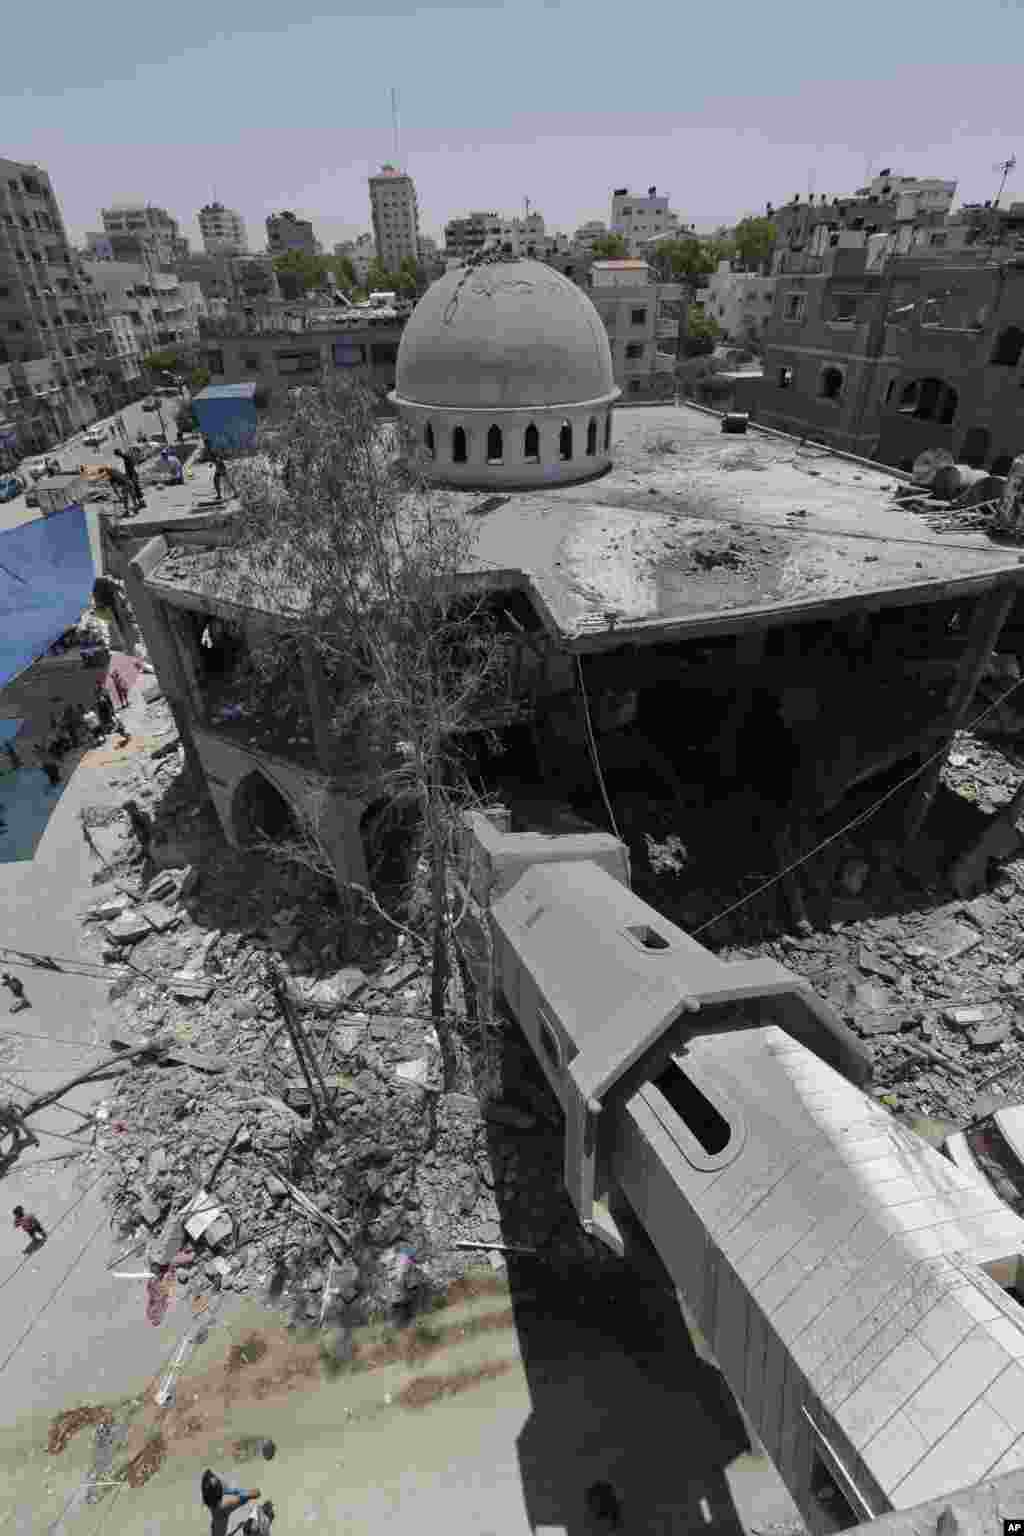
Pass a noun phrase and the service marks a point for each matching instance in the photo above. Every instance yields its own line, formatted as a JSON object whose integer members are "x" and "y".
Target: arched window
{"x": 608, "y": 432}
{"x": 1009, "y": 346}
{"x": 831, "y": 383}
{"x": 494, "y": 445}
{"x": 565, "y": 441}
{"x": 531, "y": 445}
{"x": 591, "y": 437}
{"x": 909, "y": 396}
{"x": 459, "y": 454}
{"x": 428, "y": 440}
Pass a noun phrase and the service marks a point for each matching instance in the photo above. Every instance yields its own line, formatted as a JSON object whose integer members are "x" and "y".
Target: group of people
{"x": 75, "y": 724}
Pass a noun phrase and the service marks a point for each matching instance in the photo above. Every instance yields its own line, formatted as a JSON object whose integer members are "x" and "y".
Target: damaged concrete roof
{"x": 694, "y": 532}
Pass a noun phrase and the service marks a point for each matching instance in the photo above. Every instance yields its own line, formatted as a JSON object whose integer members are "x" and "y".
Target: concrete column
{"x": 185, "y": 647}
{"x": 316, "y": 699}
{"x": 163, "y": 652}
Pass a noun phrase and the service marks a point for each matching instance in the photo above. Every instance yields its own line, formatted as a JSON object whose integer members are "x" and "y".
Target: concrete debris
{"x": 971, "y": 1016}
{"x": 111, "y": 907}
{"x": 417, "y": 1072}
{"x": 129, "y": 928}
{"x": 189, "y": 988}
{"x": 987, "y": 1035}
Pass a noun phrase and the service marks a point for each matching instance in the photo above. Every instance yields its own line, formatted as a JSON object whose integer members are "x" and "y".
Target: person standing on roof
{"x": 17, "y": 991}
{"x": 132, "y": 476}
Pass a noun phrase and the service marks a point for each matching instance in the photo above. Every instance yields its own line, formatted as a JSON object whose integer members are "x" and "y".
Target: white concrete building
{"x": 636, "y": 310}
{"x": 223, "y": 231}
{"x": 741, "y": 302}
{"x": 638, "y": 218}
{"x": 396, "y": 219}
{"x": 133, "y": 227}
{"x": 159, "y": 308}
{"x": 505, "y": 378}
{"x": 914, "y": 196}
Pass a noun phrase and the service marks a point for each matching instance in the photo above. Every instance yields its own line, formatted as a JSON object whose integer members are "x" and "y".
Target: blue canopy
{"x": 46, "y": 579}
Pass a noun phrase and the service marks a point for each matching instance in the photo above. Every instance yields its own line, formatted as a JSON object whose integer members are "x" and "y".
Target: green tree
{"x": 344, "y": 273}
{"x": 410, "y": 660}
{"x": 701, "y": 333}
{"x": 610, "y": 248}
{"x": 299, "y": 271}
{"x": 183, "y": 361}
{"x": 754, "y": 239}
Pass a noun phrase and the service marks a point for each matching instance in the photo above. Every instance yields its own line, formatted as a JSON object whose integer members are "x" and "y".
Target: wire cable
{"x": 54, "y": 1293}
{"x": 857, "y": 820}
{"x": 593, "y": 749}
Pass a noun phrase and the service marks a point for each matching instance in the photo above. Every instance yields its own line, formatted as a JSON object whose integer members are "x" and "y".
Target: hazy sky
{"x": 721, "y": 105}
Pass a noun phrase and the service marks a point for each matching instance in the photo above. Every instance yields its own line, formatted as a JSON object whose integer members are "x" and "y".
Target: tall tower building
{"x": 396, "y": 217}
{"x": 223, "y": 231}
{"x": 54, "y": 339}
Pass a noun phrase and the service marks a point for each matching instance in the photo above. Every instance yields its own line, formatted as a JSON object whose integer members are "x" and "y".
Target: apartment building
{"x": 886, "y": 203}
{"x": 361, "y": 253}
{"x": 56, "y": 374}
{"x": 741, "y": 303}
{"x": 641, "y": 317}
{"x": 276, "y": 357}
{"x": 395, "y": 216}
{"x": 640, "y": 218}
{"x": 583, "y": 239}
{"x": 141, "y": 231}
{"x": 287, "y": 232}
{"x": 160, "y": 308}
{"x": 889, "y": 358}
{"x": 223, "y": 231}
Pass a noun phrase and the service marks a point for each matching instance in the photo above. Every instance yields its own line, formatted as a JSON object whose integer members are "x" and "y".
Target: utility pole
{"x": 1006, "y": 166}
{"x": 394, "y": 126}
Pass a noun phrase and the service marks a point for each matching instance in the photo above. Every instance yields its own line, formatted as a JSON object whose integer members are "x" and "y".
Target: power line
{"x": 857, "y": 820}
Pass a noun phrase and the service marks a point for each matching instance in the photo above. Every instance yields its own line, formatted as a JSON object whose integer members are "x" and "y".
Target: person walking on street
{"x": 32, "y": 1225}
{"x": 17, "y": 991}
{"x": 120, "y": 688}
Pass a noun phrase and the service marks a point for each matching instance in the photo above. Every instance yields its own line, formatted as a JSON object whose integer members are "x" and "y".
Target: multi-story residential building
{"x": 287, "y": 232}
{"x": 277, "y": 354}
{"x": 430, "y": 257}
{"x": 395, "y": 216}
{"x": 467, "y": 236}
{"x": 223, "y": 231}
{"x": 56, "y": 372}
{"x": 885, "y": 203}
{"x": 740, "y": 302}
{"x": 125, "y": 346}
{"x": 583, "y": 239}
{"x": 141, "y": 231}
{"x": 160, "y": 308}
{"x": 226, "y": 281}
{"x": 642, "y": 320}
{"x": 361, "y": 253}
{"x": 638, "y": 218}
{"x": 887, "y": 358}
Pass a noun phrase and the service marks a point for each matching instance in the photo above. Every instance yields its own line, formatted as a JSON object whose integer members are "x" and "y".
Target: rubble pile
{"x": 220, "y": 1162}
{"x": 937, "y": 989}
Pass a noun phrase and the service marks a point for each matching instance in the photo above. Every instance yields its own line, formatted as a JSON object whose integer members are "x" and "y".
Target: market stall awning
{"x": 46, "y": 578}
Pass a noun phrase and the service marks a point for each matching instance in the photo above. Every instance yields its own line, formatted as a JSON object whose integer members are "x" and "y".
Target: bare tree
{"x": 368, "y": 572}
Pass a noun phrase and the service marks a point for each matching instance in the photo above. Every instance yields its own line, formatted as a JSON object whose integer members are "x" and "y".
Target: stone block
{"x": 129, "y": 928}
{"x": 191, "y": 988}
{"x": 218, "y": 1231}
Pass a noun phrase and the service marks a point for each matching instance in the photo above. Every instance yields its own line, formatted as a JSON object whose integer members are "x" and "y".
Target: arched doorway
{"x": 459, "y": 452}
{"x": 591, "y": 438}
{"x": 261, "y": 811}
{"x": 495, "y": 447}
{"x": 565, "y": 441}
{"x": 531, "y": 445}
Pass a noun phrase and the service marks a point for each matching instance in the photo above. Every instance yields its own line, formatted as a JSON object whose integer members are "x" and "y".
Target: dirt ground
{"x": 491, "y": 1414}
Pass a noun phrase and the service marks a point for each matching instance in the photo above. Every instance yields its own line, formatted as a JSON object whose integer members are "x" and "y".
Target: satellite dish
{"x": 928, "y": 464}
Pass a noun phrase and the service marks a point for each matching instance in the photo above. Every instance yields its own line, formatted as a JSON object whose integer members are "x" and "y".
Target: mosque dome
{"x": 504, "y": 375}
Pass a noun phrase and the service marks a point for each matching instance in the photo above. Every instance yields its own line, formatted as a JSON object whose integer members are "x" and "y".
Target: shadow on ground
{"x": 617, "y": 1392}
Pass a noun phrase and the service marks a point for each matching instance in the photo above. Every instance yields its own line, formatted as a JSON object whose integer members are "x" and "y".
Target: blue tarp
{"x": 46, "y": 578}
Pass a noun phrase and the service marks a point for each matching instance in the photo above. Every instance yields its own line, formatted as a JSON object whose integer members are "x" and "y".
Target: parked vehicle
{"x": 11, "y": 486}
{"x": 95, "y": 436}
{"x": 993, "y": 1148}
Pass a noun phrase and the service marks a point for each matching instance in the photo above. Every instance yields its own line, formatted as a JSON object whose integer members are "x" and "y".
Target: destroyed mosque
{"x": 746, "y": 637}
